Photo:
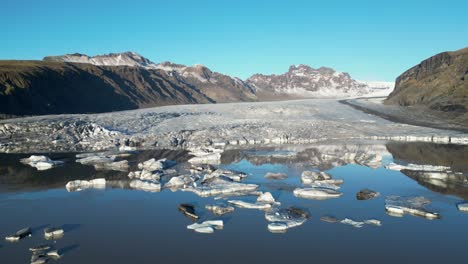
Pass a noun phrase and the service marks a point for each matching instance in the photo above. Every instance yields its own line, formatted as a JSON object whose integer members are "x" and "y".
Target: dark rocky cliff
{"x": 439, "y": 82}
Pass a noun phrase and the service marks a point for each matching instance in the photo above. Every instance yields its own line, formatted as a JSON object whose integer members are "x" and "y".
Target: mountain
{"x": 128, "y": 58}
{"x": 304, "y": 81}
{"x": 78, "y": 83}
{"x": 216, "y": 86}
{"x": 47, "y": 87}
{"x": 439, "y": 83}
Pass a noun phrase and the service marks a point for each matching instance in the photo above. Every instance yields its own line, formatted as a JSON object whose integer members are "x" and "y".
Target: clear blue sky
{"x": 373, "y": 40}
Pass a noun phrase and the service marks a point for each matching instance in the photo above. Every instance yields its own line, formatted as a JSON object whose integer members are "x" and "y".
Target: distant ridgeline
{"x": 77, "y": 83}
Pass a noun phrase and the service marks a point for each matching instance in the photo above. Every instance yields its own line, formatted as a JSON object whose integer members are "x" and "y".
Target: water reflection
{"x": 235, "y": 201}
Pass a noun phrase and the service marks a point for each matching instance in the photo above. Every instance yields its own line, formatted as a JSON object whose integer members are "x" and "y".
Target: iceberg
{"x": 80, "y": 185}
{"x": 41, "y": 162}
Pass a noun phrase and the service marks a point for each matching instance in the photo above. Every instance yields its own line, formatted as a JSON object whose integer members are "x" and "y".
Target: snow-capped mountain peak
{"x": 304, "y": 81}
{"x": 128, "y": 58}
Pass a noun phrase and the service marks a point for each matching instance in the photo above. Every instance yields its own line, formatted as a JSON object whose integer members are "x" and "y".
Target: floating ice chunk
{"x": 98, "y": 159}
{"x": 278, "y": 227}
{"x": 257, "y": 205}
{"x": 359, "y": 224}
{"x": 266, "y": 197}
{"x": 463, "y": 207}
{"x": 327, "y": 184}
{"x": 309, "y": 177}
{"x": 42, "y": 247}
{"x": 145, "y": 175}
{"x": 276, "y": 176}
{"x": 80, "y": 185}
{"x": 206, "y": 155}
{"x": 398, "y": 206}
{"x": 366, "y": 194}
{"x": 115, "y": 166}
{"x": 154, "y": 165}
{"x": 53, "y": 233}
{"x": 41, "y": 162}
{"x": 147, "y": 186}
{"x": 219, "y": 186}
{"x": 219, "y": 210}
{"x": 25, "y": 232}
{"x": 232, "y": 175}
{"x": 206, "y": 226}
{"x": 416, "y": 167}
{"x": 283, "y": 219}
{"x": 179, "y": 181}
{"x": 316, "y": 193}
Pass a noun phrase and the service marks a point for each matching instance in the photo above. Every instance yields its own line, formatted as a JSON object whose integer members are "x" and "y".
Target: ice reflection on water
{"x": 127, "y": 225}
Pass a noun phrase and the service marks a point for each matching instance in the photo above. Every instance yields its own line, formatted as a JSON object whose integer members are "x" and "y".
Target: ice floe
{"x": 155, "y": 165}
{"x": 207, "y": 226}
{"x": 41, "y": 162}
{"x": 220, "y": 186}
{"x": 282, "y": 219}
{"x": 219, "y": 209}
{"x": 145, "y": 175}
{"x": 205, "y": 155}
{"x": 248, "y": 205}
{"x": 53, "y": 233}
{"x": 416, "y": 167}
{"x": 147, "y": 186}
{"x": 359, "y": 224}
{"x": 463, "y": 207}
{"x": 115, "y": 166}
{"x": 399, "y": 206}
{"x": 20, "y": 234}
{"x": 316, "y": 193}
{"x": 80, "y": 185}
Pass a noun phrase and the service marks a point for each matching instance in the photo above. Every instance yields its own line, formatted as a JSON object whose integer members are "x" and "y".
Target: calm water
{"x": 121, "y": 225}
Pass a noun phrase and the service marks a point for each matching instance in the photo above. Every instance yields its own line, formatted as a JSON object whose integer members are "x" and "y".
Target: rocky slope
{"x": 216, "y": 86}
{"x": 439, "y": 82}
{"x": 304, "y": 82}
{"x": 37, "y": 87}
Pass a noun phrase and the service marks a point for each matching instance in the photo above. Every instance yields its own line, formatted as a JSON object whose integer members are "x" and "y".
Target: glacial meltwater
{"x": 410, "y": 207}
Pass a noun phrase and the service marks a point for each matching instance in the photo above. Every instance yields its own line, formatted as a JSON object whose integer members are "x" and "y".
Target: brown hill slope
{"x": 38, "y": 87}
{"x": 439, "y": 82}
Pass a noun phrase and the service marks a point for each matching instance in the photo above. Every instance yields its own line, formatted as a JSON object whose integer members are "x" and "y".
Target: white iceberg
{"x": 359, "y": 224}
{"x": 41, "y": 162}
{"x": 463, "y": 207}
{"x": 145, "y": 175}
{"x": 316, "y": 193}
{"x": 206, "y": 227}
{"x": 257, "y": 205}
{"x": 283, "y": 219}
{"x": 155, "y": 165}
{"x": 115, "y": 166}
{"x": 147, "y": 186}
{"x": 219, "y": 210}
{"x": 80, "y": 185}
{"x": 399, "y": 206}
{"x": 220, "y": 186}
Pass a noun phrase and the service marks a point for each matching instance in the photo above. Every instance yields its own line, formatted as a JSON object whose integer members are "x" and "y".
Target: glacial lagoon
{"x": 122, "y": 223}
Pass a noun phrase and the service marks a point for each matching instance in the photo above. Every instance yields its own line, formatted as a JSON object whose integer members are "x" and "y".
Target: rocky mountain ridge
{"x": 77, "y": 83}
{"x": 305, "y": 81}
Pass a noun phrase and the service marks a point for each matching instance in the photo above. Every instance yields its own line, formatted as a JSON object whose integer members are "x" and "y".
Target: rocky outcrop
{"x": 439, "y": 82}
